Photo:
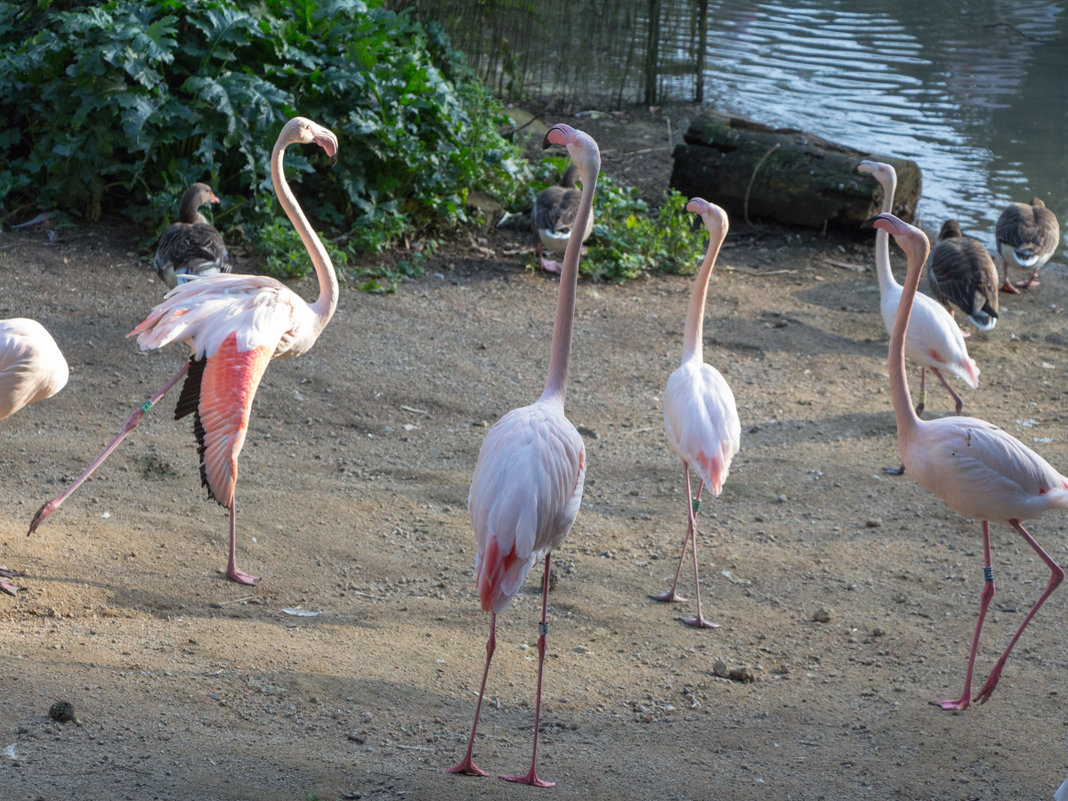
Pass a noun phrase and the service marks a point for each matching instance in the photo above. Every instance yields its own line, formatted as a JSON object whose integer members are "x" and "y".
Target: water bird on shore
{"x": 933, "y": 340}
{"x": 976, "y": 468}
{"x": 1027, "y": 235}
{"x": 234, "y": 325}
{"x": 528, "y": 479}
{"x": 960, "y": 271}
{"x": 700, "y": 416}
{"x": 32, "y": 368}
{"x": 192, "y": 246}
{"x": 552, "y": 218}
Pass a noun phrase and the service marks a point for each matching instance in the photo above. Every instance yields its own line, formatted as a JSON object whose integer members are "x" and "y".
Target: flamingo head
{"x": 714, "y": 217}
{"x": 884, "y": 173}
{"x": 908, "y": 237}
{"x": 580, "y": 146}
{"x": 304, "y": 131}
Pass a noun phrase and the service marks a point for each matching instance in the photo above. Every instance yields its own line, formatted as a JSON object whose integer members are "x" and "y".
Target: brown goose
{"x": 552, "y": 218}
{"x": 1027, "y": 235}
{"x": 960, "y": 271}
{"x": 192, "y": 246}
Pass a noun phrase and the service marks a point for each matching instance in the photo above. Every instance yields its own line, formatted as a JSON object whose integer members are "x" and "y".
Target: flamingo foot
{"x": 530, "y": 778}
{"x": 959, "y": 705}
{"x": 467, "y": 767}
{"x": 240, "y": 576}
{"x": 698, "y": 622}
{"x": 668, "y": 597}
{"x": 7, "y": 586}
{"x": 1008, "y": 287}
{"x": 991, "y": 683}
{"x": 42, "y": 514}
{"x": 894, "y": 471}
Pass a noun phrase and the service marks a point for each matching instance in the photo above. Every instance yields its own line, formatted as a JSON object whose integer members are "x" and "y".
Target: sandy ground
{"x": 848, "y": 596}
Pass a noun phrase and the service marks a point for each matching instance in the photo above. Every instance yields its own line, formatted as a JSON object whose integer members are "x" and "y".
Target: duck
{"x": 192, "y": 246}
{"x": 1027, "y": 235}
{"x": 960, "y": 271}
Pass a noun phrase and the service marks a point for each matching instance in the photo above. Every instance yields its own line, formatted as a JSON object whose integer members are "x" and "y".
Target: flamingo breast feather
{"x": 701, "y": 421}
{"x": 524, "y": 497}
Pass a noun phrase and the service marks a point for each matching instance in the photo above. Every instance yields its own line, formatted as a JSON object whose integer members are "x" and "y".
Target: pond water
{"x": 975, "y": 92}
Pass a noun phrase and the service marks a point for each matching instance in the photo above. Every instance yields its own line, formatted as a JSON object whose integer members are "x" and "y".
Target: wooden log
{"x": 790, "y": 177}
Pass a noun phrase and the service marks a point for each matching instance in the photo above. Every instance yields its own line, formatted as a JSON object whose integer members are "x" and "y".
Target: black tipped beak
{"x": 870, "y": 222}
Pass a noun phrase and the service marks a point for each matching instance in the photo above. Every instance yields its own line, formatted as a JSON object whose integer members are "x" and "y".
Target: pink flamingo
{"x": 700, "y": 416}
{"x": 527, "y": 484}
{"x": 32, "y": 368}
{"x": 933, "y": 340}
{"x": 975, "y": 467}
{"x": 234, "y": 325}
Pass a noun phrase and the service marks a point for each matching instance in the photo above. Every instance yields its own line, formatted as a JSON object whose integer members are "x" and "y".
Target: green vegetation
{"x": 119, "y": 106}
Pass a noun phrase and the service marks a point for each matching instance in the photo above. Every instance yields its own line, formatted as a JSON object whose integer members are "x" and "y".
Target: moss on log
{"x": 790, "y": 177}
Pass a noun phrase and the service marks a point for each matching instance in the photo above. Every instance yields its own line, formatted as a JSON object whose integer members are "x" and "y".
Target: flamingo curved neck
{"x": 882, "y": 243}
{"x": 693, "y": 333}
{"x": 904, "y": 413}
{"x": 560, "y": 356}
{"x": 325, "y": 305}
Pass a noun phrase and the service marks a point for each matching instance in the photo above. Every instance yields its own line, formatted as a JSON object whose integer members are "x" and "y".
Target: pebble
{"x": 822, "y": 615}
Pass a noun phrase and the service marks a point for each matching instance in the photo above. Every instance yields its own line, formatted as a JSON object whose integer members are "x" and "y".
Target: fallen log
{"x": 790, "y": 177}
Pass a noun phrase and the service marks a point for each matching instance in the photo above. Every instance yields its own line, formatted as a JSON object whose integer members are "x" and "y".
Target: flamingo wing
{"x": 524, "y": 496}
{"x": 701, "y": 421}
{"x": 32, "y": 366}
{"x": 934, "y": 340}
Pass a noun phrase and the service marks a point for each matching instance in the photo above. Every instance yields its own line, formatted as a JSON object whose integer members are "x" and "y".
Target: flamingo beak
{"x": 698, "y": 205}
{"x": 559, "y": 134}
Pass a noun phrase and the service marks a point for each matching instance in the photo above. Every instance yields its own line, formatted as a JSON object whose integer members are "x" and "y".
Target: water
{"x": 976, "y": 92}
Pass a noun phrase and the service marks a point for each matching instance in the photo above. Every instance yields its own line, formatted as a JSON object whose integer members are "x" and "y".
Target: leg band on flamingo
{"x": 543, "y": 629}
{"x": 988, "y": 573}
{"x": 696, "y": 505}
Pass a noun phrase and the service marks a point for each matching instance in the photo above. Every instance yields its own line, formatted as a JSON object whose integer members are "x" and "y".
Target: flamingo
{"x": 527, "y": 484}
{"x": 191, "y": 246}
{"x": 234, "y": 325}
{"x": 933, "y": 340}
{"x": 700, "y": 416}
{"x": 975, "y": 467}
{"x": 32, "y": 368}
{"x": 961, "y": 271}
{"x": 1027, "y": 235}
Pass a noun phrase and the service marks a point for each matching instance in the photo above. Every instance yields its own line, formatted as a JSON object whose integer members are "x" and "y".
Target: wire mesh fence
{"x": 567, "y": 55}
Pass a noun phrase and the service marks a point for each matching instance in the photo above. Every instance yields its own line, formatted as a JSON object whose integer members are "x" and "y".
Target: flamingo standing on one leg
{"x": 975, "y": 467}
{"x": 700, "y": 416}
{"x": 32, "y": 368}
{"x": 234, "y": 325}
{"x": 933, "y": 340}
{"x": 527, "y": 485}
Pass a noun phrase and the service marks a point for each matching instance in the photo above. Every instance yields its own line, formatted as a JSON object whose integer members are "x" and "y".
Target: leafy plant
{"x": 121, "y": 105}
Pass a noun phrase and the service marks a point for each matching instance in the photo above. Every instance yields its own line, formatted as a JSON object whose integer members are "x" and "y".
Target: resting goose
{"x": 1026, "y": 235}
{"x": 960, "y": 271}
{"x": 552, "y": 218}
{"x": 191, "y": 246}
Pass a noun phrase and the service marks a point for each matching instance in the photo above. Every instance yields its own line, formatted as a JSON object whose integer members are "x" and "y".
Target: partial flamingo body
{"x": 32, "y": 368}
{"x": 933, "y": 340}
{"x": 961, "y": 272}
{"x": 1027, "y": 235}
{"x": 976, "y": 468}
{"x": 700, "y": 415}
{"x": 527, "y": 483}
{"x": 192, "y": 246}
{"x": 234, "y": 325}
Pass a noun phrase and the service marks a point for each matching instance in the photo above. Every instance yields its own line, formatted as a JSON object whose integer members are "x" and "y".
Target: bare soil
{"x": 848, "y": 597}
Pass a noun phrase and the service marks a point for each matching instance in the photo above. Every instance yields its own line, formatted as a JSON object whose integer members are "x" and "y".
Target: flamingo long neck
{"x": 560, "y": 356}
{"x": 904, "y": 413}
{"x": 325, "y": 305}
{"x": 693, "y": 333}
{"x": 882, "y": 241}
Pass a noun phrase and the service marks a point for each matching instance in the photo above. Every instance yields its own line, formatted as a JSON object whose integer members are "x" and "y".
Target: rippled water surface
{"x": 975, "y": 92}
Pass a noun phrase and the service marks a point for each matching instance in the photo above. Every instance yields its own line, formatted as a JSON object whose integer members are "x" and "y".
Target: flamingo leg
{"x": 984, "y": 602}
{"x": 670, "y": 596}
{"x": 232, "y": 573}
{"x": 698, "y": 621}
{"x": 7, "y": 586}
{"x": 531, "y": 776}
{"x": 467, "y": 764}
{"x": 131, "y": 423}
{"x": 1056, "y": 575}
{"x": 956, "y": 398}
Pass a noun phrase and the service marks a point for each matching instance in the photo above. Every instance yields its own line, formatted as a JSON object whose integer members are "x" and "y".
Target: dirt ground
{"x": 848, "y": 597}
